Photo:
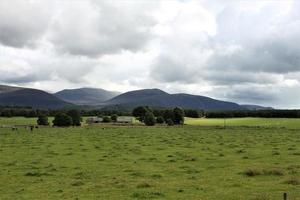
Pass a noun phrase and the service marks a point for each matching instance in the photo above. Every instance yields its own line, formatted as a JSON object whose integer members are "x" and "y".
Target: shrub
{"x": 253, "y": 172}
{"x": 274, "y": 172}
{"x": 42, "y": 120}
{"x": 160, "y": 120}
{"x": 293, "y": 181}
{"x": 149, "y": 119}
{"x": 61, "y": 119}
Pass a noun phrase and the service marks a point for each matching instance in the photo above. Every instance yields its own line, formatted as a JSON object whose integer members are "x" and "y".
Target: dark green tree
{"x": 42, "y": 120}
{"x": 76, "y": 117}
{"x": 178, "y": 116}
{"x": 114, "y": 118}
{"x": 149, "y": 119}
{"x": 168, "y": 114}
{"x": 106, "y": 119}
{"x": 193, "y": 113}
{"x": 140, "y": 112}
{"x": 62, "y": 119}
{"x": 160, "y": 120}
{"x": 170, "y": 122}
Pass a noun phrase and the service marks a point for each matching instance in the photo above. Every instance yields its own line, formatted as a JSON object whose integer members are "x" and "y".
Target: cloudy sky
{"x": 242, "y": 51}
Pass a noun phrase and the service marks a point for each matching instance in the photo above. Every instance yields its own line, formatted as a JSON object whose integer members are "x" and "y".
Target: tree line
{"x": 158, "y": 113}
{"x": 254, "y": 113}
{"x": 150, "y": 117}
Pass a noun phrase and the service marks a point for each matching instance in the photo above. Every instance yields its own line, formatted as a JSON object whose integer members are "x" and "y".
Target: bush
{"x": 61, "y": 119}
{"x": 293, "y": 181}
{"x": 149, "y": 119}
{"x": 42, "y": 120}
{"x": 160, "y": 120}
{"x": 253, "y": 172}
{"x": 106, "y": 119}
{"x": 114, "y": 118}
{"x": 170, "y": 122}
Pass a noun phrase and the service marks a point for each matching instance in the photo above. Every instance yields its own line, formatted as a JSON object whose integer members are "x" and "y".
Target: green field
{"x": 25, "y": 120}
{"x": 293, "y": 123}
{"x": 247, "y": 121}
{"x": 187, "y": 162}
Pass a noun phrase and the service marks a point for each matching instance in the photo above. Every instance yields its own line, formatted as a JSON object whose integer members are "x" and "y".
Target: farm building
{"x": 120, "y": 119}
{"x": 125, "y": 120}
{"x": 93, "y": 120}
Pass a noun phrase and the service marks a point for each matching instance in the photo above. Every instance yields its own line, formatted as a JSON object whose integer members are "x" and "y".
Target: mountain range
{"x": 18, "y": 96}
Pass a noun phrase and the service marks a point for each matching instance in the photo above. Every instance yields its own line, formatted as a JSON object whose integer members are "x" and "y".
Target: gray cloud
{"x": 23, "y": 22}
{"x": 257, "y": 46}
{"x": 103, "y": 27}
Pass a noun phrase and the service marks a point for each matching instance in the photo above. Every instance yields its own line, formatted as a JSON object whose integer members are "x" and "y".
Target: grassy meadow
{"x": 293, "y": 123}
{"x": 247, "y": 121}
{"x": 137, "y": 162}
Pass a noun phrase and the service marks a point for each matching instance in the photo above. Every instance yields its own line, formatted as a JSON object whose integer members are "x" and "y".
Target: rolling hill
{"x": 99, "y": 98}
{"x": 27, "y": 97}
{"x": 86, "y": 96}
{"x": 159, "y": 98}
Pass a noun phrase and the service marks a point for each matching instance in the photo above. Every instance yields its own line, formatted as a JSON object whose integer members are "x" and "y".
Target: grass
{"x": 26, "y": 120}
{"x": 247, "y": 121}
{"x": 188, "y": 162}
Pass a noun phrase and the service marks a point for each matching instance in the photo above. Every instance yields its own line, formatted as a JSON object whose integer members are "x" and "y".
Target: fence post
{"x": 284, "y": 196}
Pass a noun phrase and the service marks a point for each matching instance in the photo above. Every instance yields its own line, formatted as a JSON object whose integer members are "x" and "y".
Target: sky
{"x": 242, "y": 51}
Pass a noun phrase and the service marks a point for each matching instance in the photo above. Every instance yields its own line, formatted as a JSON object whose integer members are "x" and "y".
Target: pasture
{"x": 188, "y": 162}
{"x": 247, "y": 122}
{"x": 293, "y": 123}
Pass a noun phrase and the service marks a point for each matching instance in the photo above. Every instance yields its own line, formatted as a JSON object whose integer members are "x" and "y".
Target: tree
{"x": 160, "y": 120}
{"x": 140, "y": 112}
{"x": 114, "y": 118}
{"x": 42, "y": 120}
{"x": 106, "y": 119}
{"x": 61, "y": 119}
{"x": 178, "y": 116}
{"x": 168, "y": 114}
{"x": 149, "y": 119}
{"x": 192, "y": 113}
{"x": 170, "y": 122}
{"x": 76, "y": 117}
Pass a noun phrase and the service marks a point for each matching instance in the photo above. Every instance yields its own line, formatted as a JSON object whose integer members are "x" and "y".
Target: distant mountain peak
{"x": 158, "y": 98}
{"x": 86, "y": 95}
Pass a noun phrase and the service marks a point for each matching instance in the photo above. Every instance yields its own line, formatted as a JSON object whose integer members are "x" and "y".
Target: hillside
{"x": 86, "y": 96}
{"x": 15, "y": 96}
{"x": 159, "y": 98}
{"x": 5, "y": 88}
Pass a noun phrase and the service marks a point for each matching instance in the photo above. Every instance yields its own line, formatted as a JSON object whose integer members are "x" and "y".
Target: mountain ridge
{"x": 158, "y": 98}
{"x": 85, "y": 95}
{"x": 96, "y": 97}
